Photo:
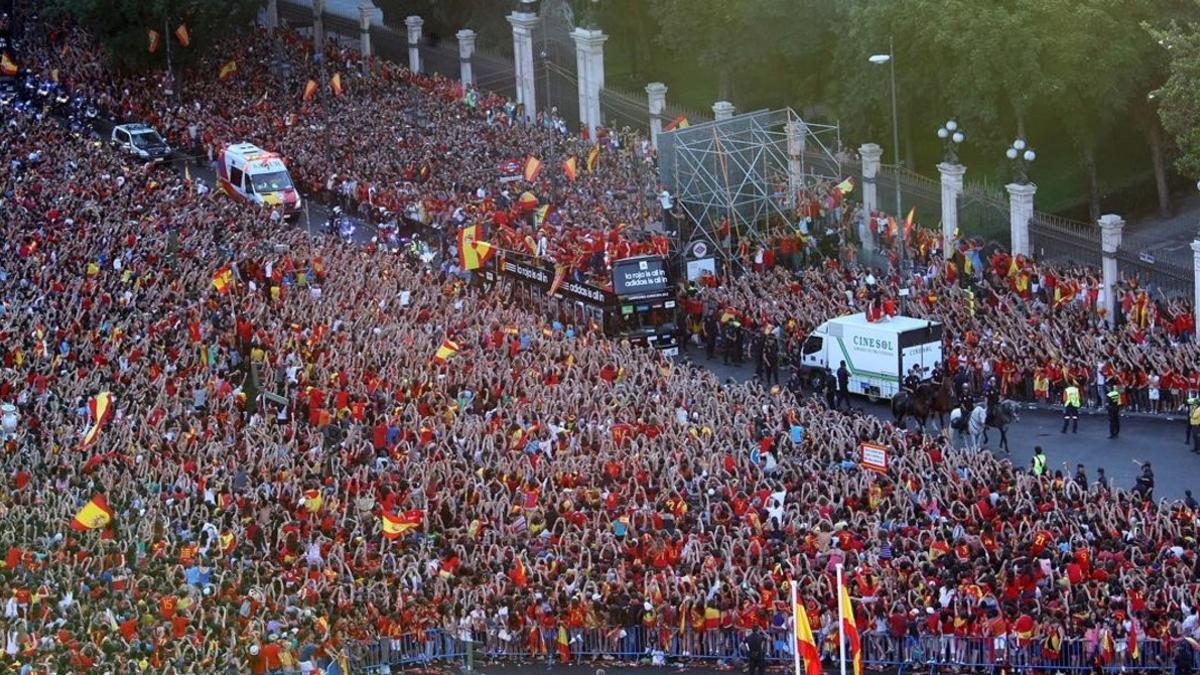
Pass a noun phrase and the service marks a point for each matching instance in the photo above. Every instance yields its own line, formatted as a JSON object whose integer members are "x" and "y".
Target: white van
{"x": 248, "y": 172}
{"x": 877, "y": 353}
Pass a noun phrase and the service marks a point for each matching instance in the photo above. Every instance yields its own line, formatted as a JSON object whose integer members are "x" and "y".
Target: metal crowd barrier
{"x": 656, "y": 646}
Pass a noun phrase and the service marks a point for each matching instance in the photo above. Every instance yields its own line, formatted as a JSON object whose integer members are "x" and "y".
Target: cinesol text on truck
{"x": 877, "y": 353}
{"x": 248, "y": 172}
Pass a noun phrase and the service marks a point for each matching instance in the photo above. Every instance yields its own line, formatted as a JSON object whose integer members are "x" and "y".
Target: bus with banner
{"x": 639, "y": 306}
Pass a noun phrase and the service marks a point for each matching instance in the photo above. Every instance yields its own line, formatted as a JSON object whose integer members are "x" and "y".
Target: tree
{"x": 1179, "y": 96}
{"x": 123, "y": 26}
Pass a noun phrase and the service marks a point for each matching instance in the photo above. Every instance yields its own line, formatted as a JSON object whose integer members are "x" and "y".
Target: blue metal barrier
{"x": 655, "y": 646}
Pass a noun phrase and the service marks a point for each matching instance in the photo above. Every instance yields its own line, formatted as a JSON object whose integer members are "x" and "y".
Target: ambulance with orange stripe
{"x": 248, "y": 172}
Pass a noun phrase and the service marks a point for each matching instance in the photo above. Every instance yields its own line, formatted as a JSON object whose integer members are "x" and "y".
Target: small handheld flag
{"x": 154, "y": 38}
{"x": 100, "y": 406}
{"x": 569, "y": 168}
{"x": 181, "y": 34}
{"x": 533, "y": 167}
{"x": 310, "y": 89}
{"x": 223, "y": 279}
{"x": 447, "y": 349}
{"x": 593, "y": 157}
{"x": 228, "y": 69}
{"x": 335, "y": 83}
{"x": 398, "y": 525}
{"x": 680, "y": 122}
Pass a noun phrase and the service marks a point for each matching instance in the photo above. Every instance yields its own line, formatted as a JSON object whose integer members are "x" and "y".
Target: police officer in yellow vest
{"x": 1114, "y": 413}
{"x": 1071, "y": 407}
{"x": 1038, "y": 465}
{"x": 1194, "y": 423}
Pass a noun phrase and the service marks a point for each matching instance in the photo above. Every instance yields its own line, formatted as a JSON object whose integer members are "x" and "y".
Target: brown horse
{"x": 915, "y": 405}
{"x": 943, "y": 400}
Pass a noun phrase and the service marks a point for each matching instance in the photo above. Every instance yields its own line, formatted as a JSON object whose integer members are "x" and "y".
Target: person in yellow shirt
{"x": 1194, "y": 423}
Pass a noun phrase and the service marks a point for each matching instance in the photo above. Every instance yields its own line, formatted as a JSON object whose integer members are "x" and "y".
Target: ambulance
{"x": 248, "y": 172}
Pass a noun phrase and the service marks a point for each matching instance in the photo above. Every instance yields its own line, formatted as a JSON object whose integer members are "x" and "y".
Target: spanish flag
{"x": 806, "y": 646}
{"x": 593, "y": 157}
{"x": 563, "y": 645}
{"x": 93, "y": 516}
{"x": 850, "y": 629}
{"x": 154, "y": 38}
{"x": 1107, "y": 647}
{"x": 540, "y": 213}
{"x": 447, "y": 349}
{"x": 560, "y": 275}
{"x": 8, "y": 67}
{"x": 398, "y": 525}
{"x": 680, "y": 122}
{"x": 313, "y": 499}
{"x": 181, "y": 34}
{"x": 845, "y": 187}
{"x": 569, "y": 168}
{"x": 1134, "y": 644}
{"x": 223, "y": 279}
{"x": 100, "y": 406}
{"x": 533, "y": 167}
{"x": 335, "y": 83}
{"x": 228, "y": 543}
{"x": 908, "y": 222}
{"x": 473, "y": 252}
{"x": 310, "y": 89}
{"x": 227, "y": 70}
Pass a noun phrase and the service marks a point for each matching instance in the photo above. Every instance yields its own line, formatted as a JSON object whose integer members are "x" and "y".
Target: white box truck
{"x": 877, "y": 353}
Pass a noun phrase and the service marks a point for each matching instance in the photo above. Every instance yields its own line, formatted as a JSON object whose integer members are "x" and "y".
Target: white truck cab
{"x": 876, "y": 353}
{"x": 141, "y": 141}
{"x": 250, "y": 173}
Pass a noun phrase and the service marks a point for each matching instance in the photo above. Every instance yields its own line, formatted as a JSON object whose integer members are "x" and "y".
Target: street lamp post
{"x": 952, "y": 137}
{"x": 890, "y": 59}
{"x": 1021, "y": 156}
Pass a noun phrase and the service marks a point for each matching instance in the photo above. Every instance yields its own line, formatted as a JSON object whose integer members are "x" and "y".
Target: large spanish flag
{"x": 93, "y": 516}
{"x": 100, "y": 407}
{"x": 398, "y": 525}
{"x": 473, "y": 252}
{"x": 806, "y": 646}
{"x": 850, "y": 629}
{"x": 533, "y": 167}
{"x": 680, "y": 122}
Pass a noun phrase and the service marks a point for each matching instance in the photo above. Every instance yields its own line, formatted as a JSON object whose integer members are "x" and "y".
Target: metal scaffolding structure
{"x": 748, "y": 171}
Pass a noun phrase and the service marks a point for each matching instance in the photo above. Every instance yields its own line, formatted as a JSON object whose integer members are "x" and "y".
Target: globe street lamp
{"x": 1021, "y": 156}
{"x": 952, "y": 137}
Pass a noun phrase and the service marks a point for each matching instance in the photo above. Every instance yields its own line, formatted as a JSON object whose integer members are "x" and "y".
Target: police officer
{"x": 912, "y": 380}
{"x": 1114, "y": 413}
{"x": 830, "y": 381}
{"x": 1071, "y": 407}
{"x": 1193, "y": 423}
{"x": 1038, "y": 465}
{"x": 712, "y": 329}
{"x": 843, "y": 385}
{"x": 756, "y": 650}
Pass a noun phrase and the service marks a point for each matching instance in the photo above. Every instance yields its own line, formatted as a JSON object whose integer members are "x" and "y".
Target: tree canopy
{"x": 1179, "y": 96}
{"x": 124, "y": 26}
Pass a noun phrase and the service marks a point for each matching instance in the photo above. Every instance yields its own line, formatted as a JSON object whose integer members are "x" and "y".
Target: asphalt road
{"x": 1156, "y": 440}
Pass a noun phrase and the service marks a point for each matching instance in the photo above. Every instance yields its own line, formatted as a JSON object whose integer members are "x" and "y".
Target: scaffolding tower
{"x": 738, "y": 180}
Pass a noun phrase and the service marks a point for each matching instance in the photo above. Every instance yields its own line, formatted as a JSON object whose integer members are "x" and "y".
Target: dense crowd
{"x": 554, "y": 482}
{"x": 1028, "y": 329}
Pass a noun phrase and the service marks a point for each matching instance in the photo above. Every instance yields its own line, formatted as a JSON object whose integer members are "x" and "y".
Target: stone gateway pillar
{"x": 1111, "y": 229}
{"x": 523, "y": 24}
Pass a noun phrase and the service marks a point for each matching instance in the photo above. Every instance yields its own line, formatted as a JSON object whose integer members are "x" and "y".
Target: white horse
{"x": 973, "y": 435}
{"x": 1007, "y": 412}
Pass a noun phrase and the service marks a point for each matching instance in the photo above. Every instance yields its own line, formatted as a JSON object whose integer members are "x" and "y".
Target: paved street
{"x": 1159, "y": 441}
